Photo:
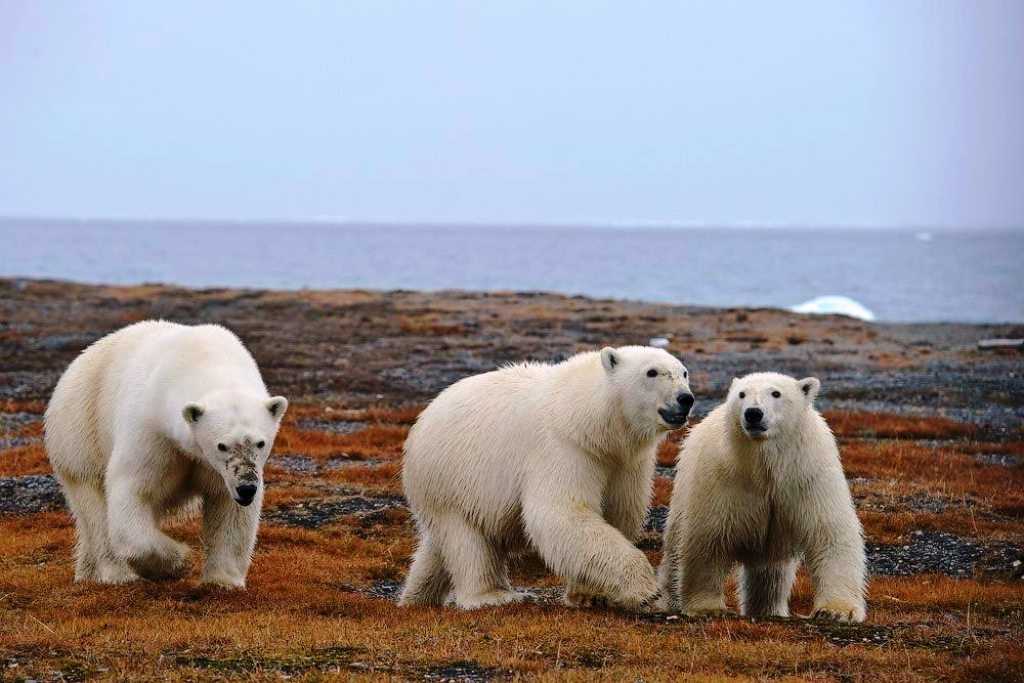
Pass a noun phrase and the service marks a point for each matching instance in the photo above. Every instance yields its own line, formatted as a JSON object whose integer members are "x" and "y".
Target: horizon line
{"x": 340, "y": 221}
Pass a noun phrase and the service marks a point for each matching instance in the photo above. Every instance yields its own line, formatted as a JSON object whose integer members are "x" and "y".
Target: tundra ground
{"x": 929, "y": 428}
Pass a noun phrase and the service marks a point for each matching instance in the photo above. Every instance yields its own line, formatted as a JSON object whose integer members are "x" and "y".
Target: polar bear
{"x": 759, "y": 482}
{"x": 147, "y": 420}
{"x": 559, "y": 458}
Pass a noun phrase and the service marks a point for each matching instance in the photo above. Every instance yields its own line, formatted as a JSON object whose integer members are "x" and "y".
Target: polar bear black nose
{"x": 685, "y": 400}
{"x": 753, "y": 415}
{"x": 246, "y": 492}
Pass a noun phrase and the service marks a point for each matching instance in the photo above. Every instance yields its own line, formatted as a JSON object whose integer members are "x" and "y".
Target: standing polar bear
{"x": 557, "y": 457}
{"x": 759, "y": 482}
{"x": 145, "y": 421}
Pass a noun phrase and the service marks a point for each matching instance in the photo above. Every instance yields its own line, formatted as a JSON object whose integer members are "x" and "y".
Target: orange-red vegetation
{"x": 8, "y": 405}
{"x": 21, "y": 460}
{"x": 888, "y": 426}
{"x": 373, "y": 441}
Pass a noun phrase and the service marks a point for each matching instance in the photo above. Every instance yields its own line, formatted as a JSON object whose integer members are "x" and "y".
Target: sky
{"x": 575, "y": 112}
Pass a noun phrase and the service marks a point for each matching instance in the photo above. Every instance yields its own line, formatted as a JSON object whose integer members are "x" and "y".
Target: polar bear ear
{"x": 277, "y": 405}
{"x": 192, "y": 412}
{"x": 809, "y": 386}
{"x": 609, "y": 359}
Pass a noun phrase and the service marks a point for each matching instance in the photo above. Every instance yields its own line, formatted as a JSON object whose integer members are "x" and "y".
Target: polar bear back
{"x": 467, "y": 448}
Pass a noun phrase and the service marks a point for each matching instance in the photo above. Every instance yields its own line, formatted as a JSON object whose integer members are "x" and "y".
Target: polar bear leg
{"x": 579, "y": 545}
{"x": 477, "y": 568}
{"x": 428, "y": 582}
{"x": 86, "y": 504}
{"x": 229, "y": 536}
{"x": 625, "y": 508}
{"x": 669, "y": 576}
{"x": 765, "y": 589}
{"x": 136, "y": 538}
{"x": 94, "y": 560}
{"x": 627, "y": 498}
{"x": 837, "y": 573}
{"x": 702, "y": 585}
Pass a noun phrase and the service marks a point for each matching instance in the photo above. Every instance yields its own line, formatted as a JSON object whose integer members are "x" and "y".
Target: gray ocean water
{"x": 901, "y": 275}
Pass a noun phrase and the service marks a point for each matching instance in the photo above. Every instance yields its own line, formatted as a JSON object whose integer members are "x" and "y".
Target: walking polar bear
{"x": 557, "y": 457}
{"x": 145, "y": 421}
{"x": 759, "y": 482}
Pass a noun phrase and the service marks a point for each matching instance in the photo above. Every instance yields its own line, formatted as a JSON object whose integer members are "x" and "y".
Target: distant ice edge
{"x": 834, "y": 304}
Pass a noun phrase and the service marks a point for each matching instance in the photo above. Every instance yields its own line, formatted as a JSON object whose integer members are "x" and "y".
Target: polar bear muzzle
{"x": 242, "y": 478}
{"x": 675, "y": 415}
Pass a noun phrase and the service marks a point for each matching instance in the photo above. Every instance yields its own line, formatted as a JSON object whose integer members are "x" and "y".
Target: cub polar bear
{"x": 557, "y": 457}
{"x": 759, "y": 482}
{"x": 143, "y": 422}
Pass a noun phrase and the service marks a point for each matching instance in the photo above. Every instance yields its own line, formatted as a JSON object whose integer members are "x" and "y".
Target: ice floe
{"x": 839, "y": 305}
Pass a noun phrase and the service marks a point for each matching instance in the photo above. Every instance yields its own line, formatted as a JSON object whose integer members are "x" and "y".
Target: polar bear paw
{"x": 223, "y": 580}
{"x": 839, "y": 610}
{"x": 639, "y": 590}
{"x": 167, "y": 561}
{"x": 577, "y": 595}
{"x": 710, "y": 606}
{"x": 114, "y": 572}
{"x": 494, "y": 598}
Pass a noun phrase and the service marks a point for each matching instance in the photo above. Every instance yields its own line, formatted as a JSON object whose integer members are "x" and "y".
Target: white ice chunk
{"x": 839, "y": 305}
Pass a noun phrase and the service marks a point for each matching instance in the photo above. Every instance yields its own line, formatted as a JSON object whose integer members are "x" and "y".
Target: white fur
{"x": 766, "y": 501}
{"x": 132, "y": 432}
{"x": 557, "y": 457}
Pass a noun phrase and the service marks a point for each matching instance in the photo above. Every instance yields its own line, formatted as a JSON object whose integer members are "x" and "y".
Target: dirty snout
{"x": 677, "y": 411}
{"x": 242, "y": 476}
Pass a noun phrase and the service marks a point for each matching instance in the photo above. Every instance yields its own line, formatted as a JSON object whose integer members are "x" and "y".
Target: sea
{"x": 899, "y": 275}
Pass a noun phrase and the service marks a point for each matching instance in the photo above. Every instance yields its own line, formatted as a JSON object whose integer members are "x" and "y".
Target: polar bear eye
{"x": 685, "y": 374}
{"x": 261, "y": 444}
{"x": 743, "y": 394}
{"x": 776, "y": 394}
{"x": 221, "y": 447}
{"x": 652, "y": 373}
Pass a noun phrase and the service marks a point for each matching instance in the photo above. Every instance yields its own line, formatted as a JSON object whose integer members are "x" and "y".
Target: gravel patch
{"x": 343, "y": 463}
{"x": 296, "y": 463}
{"x": 919, "y": 502}
{"x": 30, "y": 494}
{"x": 656, "y": 519}
{"x": 463, "y": 671}
{"x": 937, "y": 552}
{"x": 431, "y": 375}
{"x": 1001, "y": 459}
{"x": 315, "y": 514}
{"x": 384, "y": 590}
{"x": 18, "y": 441}
{"x": 9, "y": 421}
{"x": 62, "y": 342}
{"x": 333, "y": 426}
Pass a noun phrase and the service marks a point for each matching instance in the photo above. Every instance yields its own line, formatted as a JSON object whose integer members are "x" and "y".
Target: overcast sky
{"x": 873, "y": 112}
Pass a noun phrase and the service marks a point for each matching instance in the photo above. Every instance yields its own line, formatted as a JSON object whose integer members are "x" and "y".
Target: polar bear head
{"x": 766, "y": 404}
{"x": 651, "y": 385}
{"x": 234, "y": 432}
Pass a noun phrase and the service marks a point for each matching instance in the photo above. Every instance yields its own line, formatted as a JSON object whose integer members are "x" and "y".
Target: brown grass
{"x": 887, "y": 426}
{"x": 13, "y": 406}
{"x": 374, "y": 441}
{"x": 22, "y": 460}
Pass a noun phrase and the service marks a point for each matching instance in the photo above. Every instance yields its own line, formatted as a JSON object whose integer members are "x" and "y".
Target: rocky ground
{"x": 930, "y": 429}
